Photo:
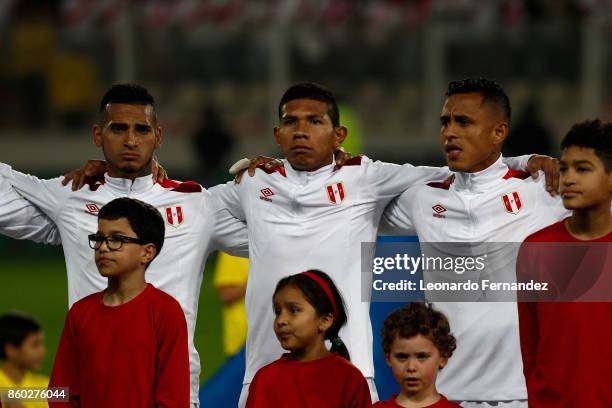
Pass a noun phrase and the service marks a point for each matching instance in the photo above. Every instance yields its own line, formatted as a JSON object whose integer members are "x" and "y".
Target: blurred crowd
{"x": 222, "y": 57}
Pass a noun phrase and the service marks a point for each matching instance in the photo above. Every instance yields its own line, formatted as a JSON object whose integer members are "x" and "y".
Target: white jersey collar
{"x": 481, "y": 181}
{"x": 124, "y": 186}
{"x": 304, "y": 177}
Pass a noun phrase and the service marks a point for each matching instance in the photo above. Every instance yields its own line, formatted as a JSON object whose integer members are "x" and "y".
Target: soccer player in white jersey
{"x": 128, "y": 134}
{"x": 485, "y": 202}
{"x": 308, "y": 214}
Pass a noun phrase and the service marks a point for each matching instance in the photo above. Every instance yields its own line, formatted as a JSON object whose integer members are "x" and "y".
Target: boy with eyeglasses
{"x": 126, "y": 345}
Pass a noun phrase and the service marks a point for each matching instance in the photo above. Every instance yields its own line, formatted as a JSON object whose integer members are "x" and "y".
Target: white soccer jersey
{"x": 20, "y": 219}
{"x": 300, "y": 220}
{"x": 195, "y": 226}
{"x": 493, "y": 205}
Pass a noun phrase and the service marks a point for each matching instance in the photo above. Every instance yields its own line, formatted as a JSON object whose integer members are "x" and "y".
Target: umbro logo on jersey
{"x": 512, "y": 202}
{"x": 266, "y": 193}
{"x": 438, "y": 211}
{"x": 335, "y": 193}
{"x": 92, "y": 208}
{"x": 174, "y": 216}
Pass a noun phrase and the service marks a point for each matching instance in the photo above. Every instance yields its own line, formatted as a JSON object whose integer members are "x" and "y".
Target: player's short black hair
{"x": 418, "y": 318}
{"x": 311, "y": 90}
{"x": 129, "y": 94}
{"x": 595, "y": 134}
{"x": 144, "y": 219}
{"x": 14, "y": 328}
{"x": 491, "y": 92}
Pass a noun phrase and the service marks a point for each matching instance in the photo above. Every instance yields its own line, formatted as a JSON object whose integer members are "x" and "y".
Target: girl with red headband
{"x": 309, "y": 310}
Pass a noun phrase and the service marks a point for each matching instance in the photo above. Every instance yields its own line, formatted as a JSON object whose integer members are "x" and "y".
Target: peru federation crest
{"x": 335, "y": 192}
{"x": 512, "y": 202}
{"x": 174, "y": 216}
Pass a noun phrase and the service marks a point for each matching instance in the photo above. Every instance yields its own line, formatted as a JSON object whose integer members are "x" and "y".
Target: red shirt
{"x": 442, "y": 403}
{"x": 132, "y": 355}
{"x": 331, "y": 381}
{"x": 567, "y": 346}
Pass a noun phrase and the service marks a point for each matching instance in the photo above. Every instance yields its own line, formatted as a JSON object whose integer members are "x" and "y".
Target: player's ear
{"x": 277, "y": 135}
{"x": 500, "y": 132}
{"x": 97, "y": 135}
{"x": 340, "y": 134}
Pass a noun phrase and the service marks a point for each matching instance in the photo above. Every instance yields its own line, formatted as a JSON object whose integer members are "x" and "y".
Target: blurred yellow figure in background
{"x": 230, "y": 280}
{"x": 22, "y": 351}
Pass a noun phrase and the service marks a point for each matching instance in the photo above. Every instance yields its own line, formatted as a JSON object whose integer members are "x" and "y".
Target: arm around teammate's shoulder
{"x": 389, "y": 180}
{"x": 47, "y": 195}
{"x": 20, "y": 219}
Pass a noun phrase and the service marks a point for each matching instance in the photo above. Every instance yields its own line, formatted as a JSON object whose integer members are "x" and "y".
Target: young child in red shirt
{"x": 566, "y": 345}
{"x": 309, "y": 310}
{"x": 417, "y": 342}
{"x": 127, "y": 345}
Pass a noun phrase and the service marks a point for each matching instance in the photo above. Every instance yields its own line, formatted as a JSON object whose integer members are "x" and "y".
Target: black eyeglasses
{"x": 113, "y": 242}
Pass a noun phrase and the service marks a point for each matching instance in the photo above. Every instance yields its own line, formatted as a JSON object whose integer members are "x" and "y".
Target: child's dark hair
{"x": 491, "y": 92}
{"x": 317, "y": 288}
{"x": 594, "y": 134}
{"x": 129, "y": 94}
{"x": 418, "y": 318}
{"x": 14, "y": 328}
{"x": 311, "y": 90}
{"x": 144, "y": 219}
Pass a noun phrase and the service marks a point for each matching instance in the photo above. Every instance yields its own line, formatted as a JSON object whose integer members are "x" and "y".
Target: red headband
{"x": 321, "y": 282}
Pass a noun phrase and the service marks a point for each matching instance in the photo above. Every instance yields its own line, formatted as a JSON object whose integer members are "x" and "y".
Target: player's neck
{"x": 122, "y": 289}
{"x": 423, "y": 398}
{"x": 13, "y": 372}
{"x": 591, "y": 223}
{"x": 486, "y": 164}
{"x": 314, "y": 168}
{"x": 117, "y": 173}
{"x": 132, "y": 176}
{"x": 481, "y": 168}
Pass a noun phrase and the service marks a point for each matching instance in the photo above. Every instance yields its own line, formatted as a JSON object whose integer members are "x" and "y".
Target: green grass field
{"x": 33, "y": 280}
